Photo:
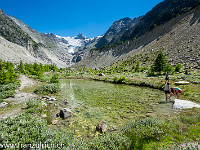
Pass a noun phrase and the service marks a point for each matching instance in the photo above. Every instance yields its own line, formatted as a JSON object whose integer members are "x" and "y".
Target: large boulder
{"x": 65, "y": 113}
{"x": 101, "y": 127}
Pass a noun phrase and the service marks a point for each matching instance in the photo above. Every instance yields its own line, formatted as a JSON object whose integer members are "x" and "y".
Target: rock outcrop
{"x": 101, "y": 127}
{"x": 65, "y": 113}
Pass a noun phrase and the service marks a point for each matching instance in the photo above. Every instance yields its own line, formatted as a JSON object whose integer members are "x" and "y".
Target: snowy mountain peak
{"x": 80, "y": 36}
{"x": 73, "y": 44}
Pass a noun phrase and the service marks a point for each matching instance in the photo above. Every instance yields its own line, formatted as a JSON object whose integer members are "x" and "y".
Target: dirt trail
{"x": 25, "y": 82}
{"x": 19, "y": 98}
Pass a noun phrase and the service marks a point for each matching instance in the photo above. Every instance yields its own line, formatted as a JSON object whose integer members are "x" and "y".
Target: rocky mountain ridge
{"x": 117, "y": 29}
{"x": 178, "y": 38}
{"x": 160, "y": 14}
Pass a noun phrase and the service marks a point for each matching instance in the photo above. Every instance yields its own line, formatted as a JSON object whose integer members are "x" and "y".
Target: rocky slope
{"x": 50, "y": 47}
{"x": 115, "y": 32}
{"x": 178, "y": 38}
{"x": 160, "y": 14}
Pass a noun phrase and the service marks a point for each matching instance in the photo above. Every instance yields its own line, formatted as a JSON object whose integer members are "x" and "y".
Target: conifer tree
{"x": 160, "y": 62}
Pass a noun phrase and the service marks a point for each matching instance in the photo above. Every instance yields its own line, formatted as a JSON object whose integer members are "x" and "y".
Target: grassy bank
{"x": 191, "y": 91}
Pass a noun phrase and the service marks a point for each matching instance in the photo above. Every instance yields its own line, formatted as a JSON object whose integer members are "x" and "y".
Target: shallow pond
{"x": 92, "y": 102}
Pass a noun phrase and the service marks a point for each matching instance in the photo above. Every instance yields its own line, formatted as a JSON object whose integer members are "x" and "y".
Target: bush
{"x": 178, "y": 68}
{"x": 6, "y": 94}
{"x": 143, "y": 131}
{"x": 8, "y": 90}
{"x": 34, "y": 105}
{"x": 122, "y": 80}
{"x": 137, "y": 67}
{"x": 54, "y": 79}
{"x": 9, "y": 86}
{"x": 106, "y": 79}
{"x": 110, "y": 141}
{"x": 119, "y": 80}
{"x": 25, "y": 129}
{"x": 115, "y": 80}
{"x": 151, "y": 71}
{"x": 147, "y": 128}
{"x": 169, "y": 68}
{"x": 48, "y": 88}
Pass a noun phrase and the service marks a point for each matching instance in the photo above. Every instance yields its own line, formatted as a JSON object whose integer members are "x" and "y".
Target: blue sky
{"x": 70, "y": 17}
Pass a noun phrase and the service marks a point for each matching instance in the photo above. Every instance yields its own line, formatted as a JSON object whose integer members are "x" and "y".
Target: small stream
{"x": 92, "y": 102}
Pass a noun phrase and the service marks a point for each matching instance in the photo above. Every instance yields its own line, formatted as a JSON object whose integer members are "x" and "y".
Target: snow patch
{"x": 74, "y": 44}
{"x": 181, "y": 104}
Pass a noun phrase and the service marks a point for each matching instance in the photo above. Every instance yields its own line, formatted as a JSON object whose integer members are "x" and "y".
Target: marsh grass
{"x": 48, "y": 88}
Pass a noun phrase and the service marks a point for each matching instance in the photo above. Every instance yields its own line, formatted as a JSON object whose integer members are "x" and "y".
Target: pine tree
{"x": 137, "y": 68}
{"x": 160, "y": 62}
{"x": 21, "y": 66}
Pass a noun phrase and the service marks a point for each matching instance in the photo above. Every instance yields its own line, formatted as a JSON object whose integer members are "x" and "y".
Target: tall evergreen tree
{"x": 160, "y": 62}
{"x": 21, "y": 66}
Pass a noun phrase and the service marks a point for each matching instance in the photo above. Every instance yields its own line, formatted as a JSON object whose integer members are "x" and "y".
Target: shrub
{"x": 48, "y": 88}
{"x": 8, "y": 90}
{"x": 122, "y": 80}
{"x": 143, "y": 131}
{"x": 147, "y": 128}
{"x": 34, "y": 105}
{"x": 169, "y": 68}
{"x": 106, "y": 79}
{"x": 54, "y": 79}
{"x": 9, "y": 86}
{"x": 178, "y": 68}
{"x": 110, "y": 141}
{"x": 115, "y": 80}
{"x": 119, "y": 80}
{"x": 151, "y": 71}
{"x": 25, "y": 129}
{"x": 137, "y": 67}
{"x": 6, "y": 94}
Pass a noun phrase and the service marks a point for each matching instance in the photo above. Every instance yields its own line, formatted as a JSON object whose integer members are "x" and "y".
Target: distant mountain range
{"x": 20, "y": 41}
{"x": 42, "y": 47}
